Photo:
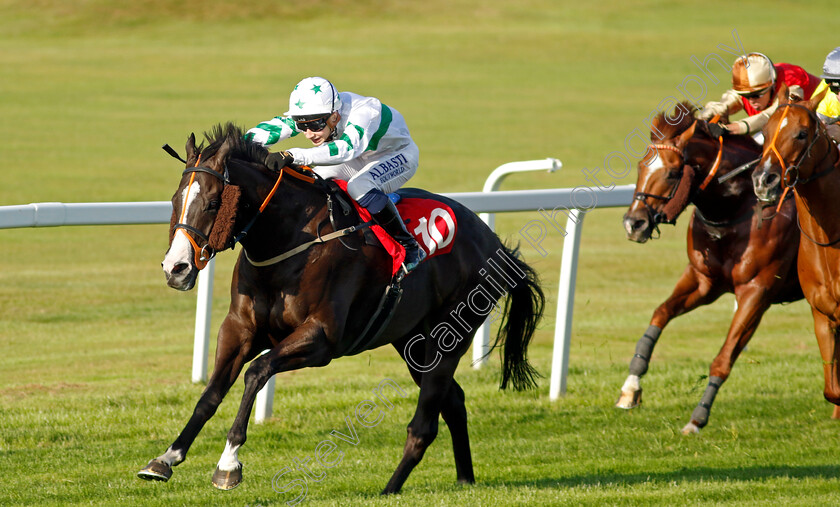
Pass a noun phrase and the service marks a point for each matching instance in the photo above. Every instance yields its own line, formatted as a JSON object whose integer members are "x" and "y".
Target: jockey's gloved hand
{"x": 710, "y": 110}
{"x": 717, "y": 130}
{"x": 279, "y": 160}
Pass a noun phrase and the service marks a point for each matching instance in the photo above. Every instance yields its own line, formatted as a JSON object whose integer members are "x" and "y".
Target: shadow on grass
{"x": 746, "y": 474}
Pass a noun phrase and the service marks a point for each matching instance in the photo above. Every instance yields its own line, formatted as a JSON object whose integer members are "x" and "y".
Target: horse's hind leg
{"x": 454, "y": 412}
{"x": 753, "y": 302}
{"x": 423, "y": 428}
{"x": 692, "y": 290}
{"x": 229, "y": 361}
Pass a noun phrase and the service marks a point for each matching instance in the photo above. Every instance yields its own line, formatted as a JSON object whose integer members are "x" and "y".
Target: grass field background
{"x": 95, "y": 350}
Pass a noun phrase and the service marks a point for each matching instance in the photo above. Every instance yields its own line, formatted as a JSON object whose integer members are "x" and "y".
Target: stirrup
{"x": 408, "y": 267}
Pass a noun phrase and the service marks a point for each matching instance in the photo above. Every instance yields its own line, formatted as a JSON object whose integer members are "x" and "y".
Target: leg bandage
{"x": 644, "y": 349}
{"x": 700, "y": 416}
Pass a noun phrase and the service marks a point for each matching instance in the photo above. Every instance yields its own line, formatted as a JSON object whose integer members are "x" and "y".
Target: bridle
{"x": 657, "y": 216}
{"x": 790, "y": 175}
{"x": 203, "y": 254}
{"x": 640, "y": 196}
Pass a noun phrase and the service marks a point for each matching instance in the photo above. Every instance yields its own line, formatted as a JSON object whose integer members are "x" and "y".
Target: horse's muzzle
{"x": 638, "y": 228}
{"x": 767, "y": 185}
{"x": 181, "y": 276}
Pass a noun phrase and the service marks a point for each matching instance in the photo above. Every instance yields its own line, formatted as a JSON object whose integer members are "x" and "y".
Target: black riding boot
{"x": 389, "y": 219}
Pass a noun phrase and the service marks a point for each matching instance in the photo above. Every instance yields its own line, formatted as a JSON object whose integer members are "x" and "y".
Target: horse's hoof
{"x": 226, "y": 480}
{"x": 836, "y": 413}
{"x": 690, "y": 429}
{"x": 156, "y": 471}
{"x": 629, "y": 399}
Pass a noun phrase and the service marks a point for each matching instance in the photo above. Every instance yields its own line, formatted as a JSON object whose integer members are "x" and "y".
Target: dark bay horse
{"x": 315, "y": 305}
{"x": 733, "y": 246}
{"x": 800, "y": 155}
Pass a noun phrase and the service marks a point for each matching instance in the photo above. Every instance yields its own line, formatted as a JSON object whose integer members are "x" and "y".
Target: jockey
{"x": 756, "y": 82}
{"x": 357, "y": 139}
{"x": 829, "y": 107}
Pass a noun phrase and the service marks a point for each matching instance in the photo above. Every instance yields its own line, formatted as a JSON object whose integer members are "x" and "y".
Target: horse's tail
{"x": 524, "y": 304}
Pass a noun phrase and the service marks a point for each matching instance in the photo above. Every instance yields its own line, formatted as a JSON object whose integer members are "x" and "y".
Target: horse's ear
{"x": 683, "y": 138}
{"x": 192, "y": 153}
{"x": 784, "y": 94}
{"x": 224, "y": 150}
{"x": 815, "y": 100}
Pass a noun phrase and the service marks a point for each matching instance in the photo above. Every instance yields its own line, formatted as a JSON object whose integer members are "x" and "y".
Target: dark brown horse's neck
{"x": 290, "y": 218}
{"x": 722, "y": 202}
{"x": 818, "y": 200}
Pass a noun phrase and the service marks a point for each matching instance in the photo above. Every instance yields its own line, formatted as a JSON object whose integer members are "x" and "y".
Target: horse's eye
{"x": 674, "y": 175}
{"x": 802, "y": 134}
{"x": 212, "y": 206}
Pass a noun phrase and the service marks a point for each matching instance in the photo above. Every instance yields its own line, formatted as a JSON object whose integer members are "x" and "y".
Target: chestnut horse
{"x": 800, "y": 154}
{"x": 316, "y": 305}
{"x": 733, "y": 246}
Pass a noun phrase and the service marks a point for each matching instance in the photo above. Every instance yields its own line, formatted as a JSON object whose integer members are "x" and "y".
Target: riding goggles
{"x": 834, "y": 86}
{"x": 756, "y": 94}
{"x": 314, "y": 124}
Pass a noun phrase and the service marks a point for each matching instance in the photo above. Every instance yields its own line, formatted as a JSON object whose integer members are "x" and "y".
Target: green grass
{"x": 96, "y": 350}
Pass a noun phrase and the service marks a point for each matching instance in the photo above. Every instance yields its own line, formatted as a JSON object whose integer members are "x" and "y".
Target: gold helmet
{"x": 752, "y": 73}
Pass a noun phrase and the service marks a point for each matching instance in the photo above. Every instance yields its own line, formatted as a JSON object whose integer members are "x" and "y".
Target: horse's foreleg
{"x": 230, "y": 358}
{"x": 692, "y": 290}
{"x": 827, "y": 336}
{"x": 304, "y": 347}
{"x": 753, "y": 302}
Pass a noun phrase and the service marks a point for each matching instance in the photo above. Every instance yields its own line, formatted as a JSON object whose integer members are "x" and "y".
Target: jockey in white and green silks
{"x": 357, "y": 139}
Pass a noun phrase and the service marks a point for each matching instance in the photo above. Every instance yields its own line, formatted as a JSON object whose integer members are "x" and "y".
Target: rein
{"x": 337, "y": 234}
{"x": 292, "y": 173}
{"x": 205, "y": 253}
{"x": 305, "y": 246}
{"x": 715, "y": 166}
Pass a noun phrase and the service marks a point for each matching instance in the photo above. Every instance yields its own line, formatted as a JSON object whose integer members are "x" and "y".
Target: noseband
{"x": 204, "y": 253}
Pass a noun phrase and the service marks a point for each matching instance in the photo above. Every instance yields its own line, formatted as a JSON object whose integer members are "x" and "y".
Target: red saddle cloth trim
{"x": 419, "y": 213}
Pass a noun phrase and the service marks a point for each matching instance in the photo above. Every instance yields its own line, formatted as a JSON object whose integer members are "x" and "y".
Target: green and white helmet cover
{"x": 313, "y": 96}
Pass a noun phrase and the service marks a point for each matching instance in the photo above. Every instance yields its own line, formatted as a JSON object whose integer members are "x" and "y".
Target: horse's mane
{"x": 242, "y": 149}
{"x": 667, "y": 129}
{"x": 222, "y": 235}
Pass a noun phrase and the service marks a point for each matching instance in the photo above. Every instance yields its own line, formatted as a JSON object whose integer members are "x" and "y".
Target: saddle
{"x": 431, "y": 222}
